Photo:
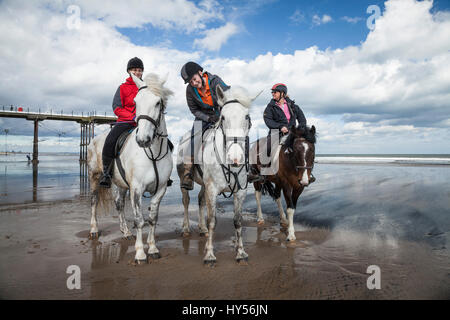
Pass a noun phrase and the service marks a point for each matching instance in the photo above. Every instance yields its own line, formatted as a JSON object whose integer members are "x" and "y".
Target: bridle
{"x": 157, "y": 122}
{"x": 296, "y": 161}
{"x": 148, "y": 150}
{"x": 226, "y": 169}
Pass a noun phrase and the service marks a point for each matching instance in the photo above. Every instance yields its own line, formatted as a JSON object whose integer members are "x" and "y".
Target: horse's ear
{"x": 220, "y": 95}
{"x": 313, "y": 130}
{"x": 164, "y": 79}
{"x": 139, "y": 83}
{"x": 253, "y": 99}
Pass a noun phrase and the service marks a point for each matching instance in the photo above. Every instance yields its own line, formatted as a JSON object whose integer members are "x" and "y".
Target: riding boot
{"x": 105, "y": 180}
{"x": 312, "y": 179}
{"x": 254, "y": 175}
{"x": 188, "y": 178}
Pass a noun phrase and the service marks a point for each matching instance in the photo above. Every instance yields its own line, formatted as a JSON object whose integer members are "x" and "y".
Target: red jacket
{"x": 123, "y": 104}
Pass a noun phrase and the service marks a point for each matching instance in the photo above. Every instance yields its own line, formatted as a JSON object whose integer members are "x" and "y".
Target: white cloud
{"x": 297, "y": 17}
{"x": 317, "y": 20}
{"x": 215, "y": 38}
{"x": 352, "y": 20}
{"x": 181, "y": 15}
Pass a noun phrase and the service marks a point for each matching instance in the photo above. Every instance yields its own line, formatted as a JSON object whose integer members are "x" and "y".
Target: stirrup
{"x": 251, "y": 178}
{"x": 105, "y": 181}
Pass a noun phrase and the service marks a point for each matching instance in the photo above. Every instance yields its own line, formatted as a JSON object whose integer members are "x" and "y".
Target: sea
{"x": 60, "y": 176}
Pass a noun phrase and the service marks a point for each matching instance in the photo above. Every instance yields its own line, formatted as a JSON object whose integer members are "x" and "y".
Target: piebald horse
{"x": 147, "y": 162}
{"x": 224, "y": 167}
{"x": 296, "y": 162}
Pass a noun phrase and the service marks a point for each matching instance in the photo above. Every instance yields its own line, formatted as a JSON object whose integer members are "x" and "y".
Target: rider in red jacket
{"x": 124, "y": 108}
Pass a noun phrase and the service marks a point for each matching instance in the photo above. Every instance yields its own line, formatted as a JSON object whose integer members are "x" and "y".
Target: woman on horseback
{"x": 282, "y": 113}
{"x": 202, "y": 101}
{"x": 124, "y": 108}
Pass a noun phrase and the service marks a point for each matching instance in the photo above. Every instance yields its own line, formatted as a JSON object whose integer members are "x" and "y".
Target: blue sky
{"x": 384, "y": 90}
{"x": 273, "y": 26}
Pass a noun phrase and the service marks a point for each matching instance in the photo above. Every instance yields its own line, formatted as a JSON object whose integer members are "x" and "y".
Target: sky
{"x": 372, "y": 76}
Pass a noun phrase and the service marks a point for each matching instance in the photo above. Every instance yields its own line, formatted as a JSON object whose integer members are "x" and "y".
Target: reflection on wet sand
{"x": 352, "y": 218}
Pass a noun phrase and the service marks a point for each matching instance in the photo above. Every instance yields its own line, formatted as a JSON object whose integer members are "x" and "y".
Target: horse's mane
{"x": 156, "y": 86}
{"x": 240, "y": 94}
{"x": 302, "y": 132}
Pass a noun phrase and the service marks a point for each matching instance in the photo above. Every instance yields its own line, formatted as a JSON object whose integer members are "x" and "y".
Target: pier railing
{"x": 87, "y": 120}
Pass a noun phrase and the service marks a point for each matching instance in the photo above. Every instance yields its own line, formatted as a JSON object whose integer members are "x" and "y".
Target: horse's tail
{"x": 103, "y": 196}
{"x": 268, "y": 188}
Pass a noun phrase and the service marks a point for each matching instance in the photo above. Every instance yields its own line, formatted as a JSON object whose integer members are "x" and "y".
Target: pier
{"x": 86, "y": 121}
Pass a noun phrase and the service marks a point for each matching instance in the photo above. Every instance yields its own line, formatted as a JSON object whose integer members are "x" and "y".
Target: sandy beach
{"x": 394, "y": 217}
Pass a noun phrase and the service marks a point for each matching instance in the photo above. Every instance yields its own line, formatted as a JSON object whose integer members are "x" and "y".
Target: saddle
{"x": 262, "y": 157}
{"x": 123, "y": 137}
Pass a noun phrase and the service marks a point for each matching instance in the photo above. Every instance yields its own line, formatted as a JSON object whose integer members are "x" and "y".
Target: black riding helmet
{"x": 281, "y": 87}
{"x": 189, "y": 69}
{"x": 135, "y": 63}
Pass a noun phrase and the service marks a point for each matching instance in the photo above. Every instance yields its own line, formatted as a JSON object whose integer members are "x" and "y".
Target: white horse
{"x": 147, "y": 162}
{"x": 224, "y": 166}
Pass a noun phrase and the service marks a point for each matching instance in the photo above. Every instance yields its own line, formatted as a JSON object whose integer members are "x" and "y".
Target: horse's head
{"x": 235, "y": 122}
{"x": 150, "y": 105}
{"x": 301, "y": 142}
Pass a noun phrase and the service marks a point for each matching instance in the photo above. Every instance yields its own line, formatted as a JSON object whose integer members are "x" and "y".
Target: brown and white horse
{"x": 295, "y": 164}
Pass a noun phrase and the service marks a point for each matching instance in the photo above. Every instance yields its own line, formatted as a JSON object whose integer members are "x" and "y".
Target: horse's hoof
{"x": 209, "y": 263}
{"x": 284, "y": 225}
{"x": 141, "y": 261}
{"x": 186, "y": 234}
{"x": 290, "y": 240}
{"x": 242, "y": 261}
{"x": 260, "y": 222}
{"x": 204, "y": 234}
{"x": 93, "y": 236}
{"x": 155, "y": 255}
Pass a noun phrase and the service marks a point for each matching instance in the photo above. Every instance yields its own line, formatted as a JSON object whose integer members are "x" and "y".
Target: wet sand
{"x": 403, "y": 230}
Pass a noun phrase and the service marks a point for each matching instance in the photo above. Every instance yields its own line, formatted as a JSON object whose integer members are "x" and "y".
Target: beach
{"x": 393, "y": 215}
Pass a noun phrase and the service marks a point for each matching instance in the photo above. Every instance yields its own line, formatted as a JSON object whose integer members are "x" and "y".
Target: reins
{"x": 226, "y": 169}
{"x": 148, "y": 150}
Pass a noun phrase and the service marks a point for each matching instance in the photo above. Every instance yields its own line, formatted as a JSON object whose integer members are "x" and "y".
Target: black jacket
{"x": 275, "y": 118}
{"x": 201, "y": 110}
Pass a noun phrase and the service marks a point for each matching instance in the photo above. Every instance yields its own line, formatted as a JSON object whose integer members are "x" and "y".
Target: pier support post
{"x": 35, "y": 142}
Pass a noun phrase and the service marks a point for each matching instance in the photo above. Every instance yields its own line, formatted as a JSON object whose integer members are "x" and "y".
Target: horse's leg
{"x": 186, "y": 199}
{"x": 258, "y": 188}
{"x": 152, "y": 220}
{"x": 201, "y": 213}
{"x": 211, "y": 198}
{"x": 119, "y": 201}
{"x": 283, "y": 221}
{"x": 93, "y": 233}
{"x": 136, "y": 201}
{"x": 287, "y": 191}
{"x": 238, "y": 201}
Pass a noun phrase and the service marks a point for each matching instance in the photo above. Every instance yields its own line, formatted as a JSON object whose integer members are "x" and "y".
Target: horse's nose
{"x": 145, "y": 142}
{"x": 303, "y": 183}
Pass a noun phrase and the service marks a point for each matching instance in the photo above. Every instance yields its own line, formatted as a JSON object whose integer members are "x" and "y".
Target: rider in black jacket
{"x": 280, "y": 108}
{"x": 282, "y": 113}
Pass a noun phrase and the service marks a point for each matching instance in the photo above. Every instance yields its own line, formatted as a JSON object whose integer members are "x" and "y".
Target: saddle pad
{"x": 121, "y": 141}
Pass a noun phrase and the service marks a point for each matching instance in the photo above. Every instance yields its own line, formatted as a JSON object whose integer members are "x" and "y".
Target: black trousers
{"x": 111, "y": 139}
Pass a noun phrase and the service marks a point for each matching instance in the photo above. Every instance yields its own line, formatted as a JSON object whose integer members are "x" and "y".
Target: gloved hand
{"x": 213, "y": 118}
